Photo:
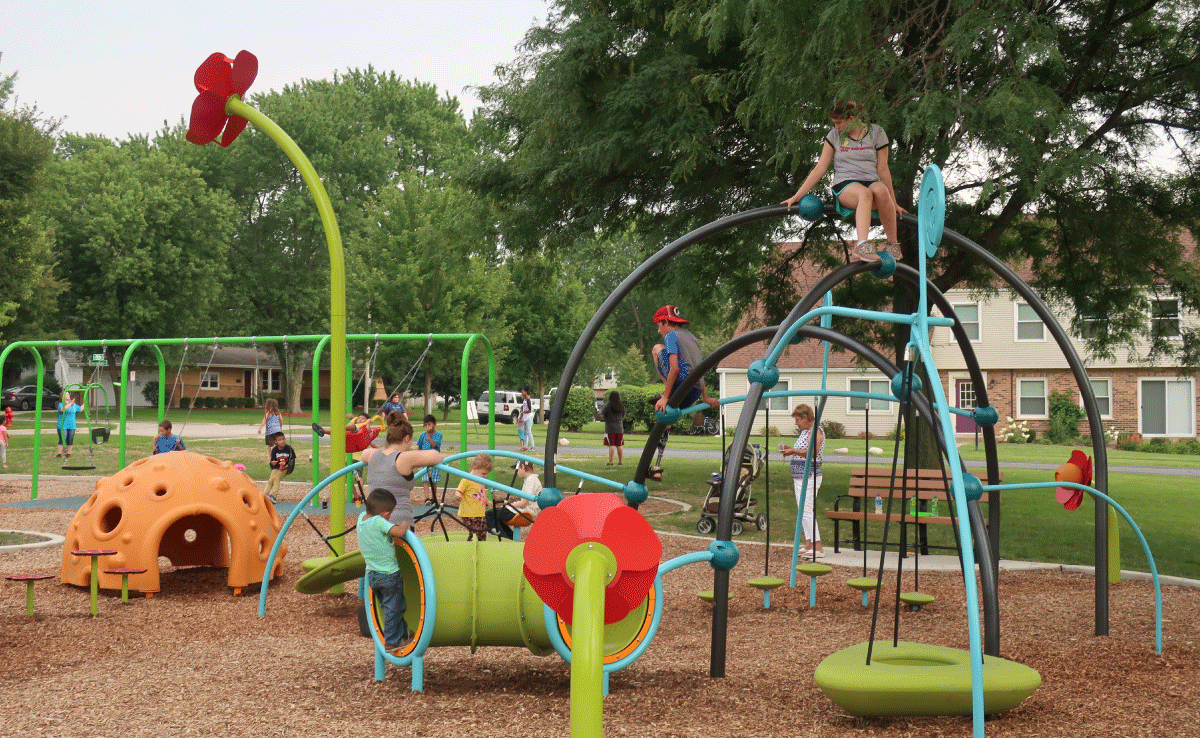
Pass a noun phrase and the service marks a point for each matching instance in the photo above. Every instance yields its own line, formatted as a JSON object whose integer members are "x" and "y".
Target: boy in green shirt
{"x": 376, "y": 539}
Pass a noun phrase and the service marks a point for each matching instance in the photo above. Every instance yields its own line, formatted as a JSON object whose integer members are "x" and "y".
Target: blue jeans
{"x": 389, "y": 590}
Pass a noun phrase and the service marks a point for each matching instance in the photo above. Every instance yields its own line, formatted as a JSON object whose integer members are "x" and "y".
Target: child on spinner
{"x": 473, "y": 498}
{"x": 165, "y": 442}
{"x": 862, "y": 180}
{"x": 377, "y": 539}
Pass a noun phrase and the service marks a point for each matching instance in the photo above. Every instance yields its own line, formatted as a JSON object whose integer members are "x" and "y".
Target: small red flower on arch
{"x": 1077, "y": 470}
{"x": 217, "y": 79}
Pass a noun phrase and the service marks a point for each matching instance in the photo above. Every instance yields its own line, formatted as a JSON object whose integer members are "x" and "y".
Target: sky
{"x": 122, "y": 68}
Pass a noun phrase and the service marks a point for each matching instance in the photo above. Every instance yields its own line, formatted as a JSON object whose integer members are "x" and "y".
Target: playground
{"x": 195, "y": 660}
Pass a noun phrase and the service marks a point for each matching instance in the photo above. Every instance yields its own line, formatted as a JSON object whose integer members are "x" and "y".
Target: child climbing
{"x": 862, "y": 180}
{"x": 377, "y": 537}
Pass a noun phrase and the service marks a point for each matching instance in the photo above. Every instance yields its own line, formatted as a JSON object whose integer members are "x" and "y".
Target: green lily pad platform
{"x": 919, "y": 679}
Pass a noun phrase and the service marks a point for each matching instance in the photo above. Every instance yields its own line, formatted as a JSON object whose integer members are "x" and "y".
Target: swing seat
{"x": 79, "y": 468}
{"x": 100, "y": 435}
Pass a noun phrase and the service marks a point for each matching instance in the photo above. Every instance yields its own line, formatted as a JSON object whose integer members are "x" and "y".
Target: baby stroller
{"x": 743, "y": 503}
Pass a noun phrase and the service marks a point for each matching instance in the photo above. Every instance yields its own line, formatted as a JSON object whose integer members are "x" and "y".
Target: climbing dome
{"x": 190, "y": 509}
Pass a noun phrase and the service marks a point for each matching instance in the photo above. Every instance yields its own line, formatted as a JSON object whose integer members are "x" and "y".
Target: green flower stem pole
{"x": 337, "y": 307}
{"x": 591, "y": 566}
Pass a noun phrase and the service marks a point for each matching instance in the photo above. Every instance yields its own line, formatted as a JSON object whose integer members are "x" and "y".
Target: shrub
{"x": 1032, "y": 436}
{"x": 185, "y": 403}
{"x": 1065, "y": 415}
{"x": 638, "y": 408}
{"x": 1188, "y": 446}
{"x": 1016, "y": 432}
{"x": 772, "y": 431}
{"x": 833, "y": 429}
{"x": 580, "y": 408}
{"x": 150, "y": 392}
{"x": 891, "y": 436}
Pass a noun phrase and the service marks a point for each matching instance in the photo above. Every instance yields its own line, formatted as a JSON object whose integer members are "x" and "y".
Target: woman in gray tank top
{"x": 394, "y": 466}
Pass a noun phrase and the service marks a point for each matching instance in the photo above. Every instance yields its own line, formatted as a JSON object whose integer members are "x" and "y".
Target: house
{"x": 1020, "y": 362}
{"x": 229, "y": 372}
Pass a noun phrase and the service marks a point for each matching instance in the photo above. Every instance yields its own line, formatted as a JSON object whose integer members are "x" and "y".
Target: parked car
{"x": 25, "y": 396}
{"x": 508, "y": 406}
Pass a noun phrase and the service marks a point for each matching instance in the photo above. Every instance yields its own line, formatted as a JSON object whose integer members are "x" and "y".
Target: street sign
{"x": 98, "y": 360}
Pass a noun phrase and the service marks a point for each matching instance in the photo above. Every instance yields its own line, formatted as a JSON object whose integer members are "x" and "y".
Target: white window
{"x": 1031, "y": 398}
{"x": 780, "y": 404}
{"x": 271, "y": 379}
{"x": 968, "y": 315}
{"x": 1029, "y": 325}
{"x": 1102, "y": 389}
{"x": 1164, "y": 319}
{"x": 1093, "y": 327}
{"x": 874, "y": 386}
{"x": 210, "y": 380}
{"x": 1167, "y": 407}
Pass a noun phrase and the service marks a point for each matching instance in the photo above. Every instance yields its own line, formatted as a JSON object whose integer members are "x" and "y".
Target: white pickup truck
{"x": 508, "y": 407}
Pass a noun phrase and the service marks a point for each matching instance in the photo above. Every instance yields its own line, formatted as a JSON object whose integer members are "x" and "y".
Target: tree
{"x": 27, "y": 305}
{"x": 671, "y": 114}
{"x": 141, "y": 241}
{"x": 428, "y": 266}
{"x": 547, "y": 312}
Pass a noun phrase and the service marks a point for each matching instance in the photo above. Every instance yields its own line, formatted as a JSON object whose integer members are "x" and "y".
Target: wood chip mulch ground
{"x": 197, "y": 661}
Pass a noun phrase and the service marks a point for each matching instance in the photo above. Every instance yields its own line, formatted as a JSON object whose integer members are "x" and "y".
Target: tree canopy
{"x": 1042, "y": 115}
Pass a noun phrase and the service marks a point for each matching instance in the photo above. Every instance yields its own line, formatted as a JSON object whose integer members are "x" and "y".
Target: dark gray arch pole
{"x": 755, "y": 395}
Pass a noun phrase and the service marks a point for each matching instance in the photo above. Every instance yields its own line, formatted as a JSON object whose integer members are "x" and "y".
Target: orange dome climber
{"x": 191, "y": 509}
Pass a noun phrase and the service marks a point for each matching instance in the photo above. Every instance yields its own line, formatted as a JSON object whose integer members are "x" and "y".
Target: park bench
{"x": 866, "y": 483}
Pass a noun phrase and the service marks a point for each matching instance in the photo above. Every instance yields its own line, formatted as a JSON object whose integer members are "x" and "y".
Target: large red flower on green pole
{"x": 218, "y": 79}
{"x": 626, "y": 540}
{"x": 592, "y": 560}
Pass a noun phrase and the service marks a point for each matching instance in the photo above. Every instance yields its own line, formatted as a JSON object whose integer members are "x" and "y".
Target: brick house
{"x": 1020, "y": 362}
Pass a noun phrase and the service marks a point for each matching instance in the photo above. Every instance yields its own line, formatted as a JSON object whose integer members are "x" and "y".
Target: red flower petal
{"x": 550, "y": 539}
{"x": 215, "y": 74}
{"x": 631, "y": 539}
{"x": 245, "y": 69}
{"x": 208, "y": 118}
{"x": 235, "y": 126}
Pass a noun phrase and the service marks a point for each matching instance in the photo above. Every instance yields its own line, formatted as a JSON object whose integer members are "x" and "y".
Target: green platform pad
{"x": 919, "y": 679}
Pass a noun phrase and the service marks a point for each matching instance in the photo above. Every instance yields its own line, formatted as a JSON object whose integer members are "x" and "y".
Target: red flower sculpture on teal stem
{"x": 600, "y": 518}
{"x": 218, "y": 79}
{"x": 1078, "y": 469}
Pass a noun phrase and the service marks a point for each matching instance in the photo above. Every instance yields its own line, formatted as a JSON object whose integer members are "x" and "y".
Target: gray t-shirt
{"x": 689, "y": 346}
{"x": 856, "y": 160}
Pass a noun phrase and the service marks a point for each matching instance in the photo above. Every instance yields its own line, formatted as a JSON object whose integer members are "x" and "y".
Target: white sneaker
{"x": 863, "y": 251}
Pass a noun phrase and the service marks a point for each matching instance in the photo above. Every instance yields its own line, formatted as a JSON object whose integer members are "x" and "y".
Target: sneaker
{"x": 272, "y": 498}
{"x": 863, "y": 251}
{"x": 319, "y": 430}
{"x": 893, "y": 248}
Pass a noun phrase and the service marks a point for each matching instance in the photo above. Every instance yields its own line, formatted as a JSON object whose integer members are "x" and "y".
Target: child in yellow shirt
{"x": 473, "y": 498}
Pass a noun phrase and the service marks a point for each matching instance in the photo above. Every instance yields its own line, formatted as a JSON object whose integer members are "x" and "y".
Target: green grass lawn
{"x": 1034, "y": 526}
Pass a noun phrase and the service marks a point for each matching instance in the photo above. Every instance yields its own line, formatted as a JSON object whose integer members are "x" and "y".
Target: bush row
{"x": 217, "y": 402}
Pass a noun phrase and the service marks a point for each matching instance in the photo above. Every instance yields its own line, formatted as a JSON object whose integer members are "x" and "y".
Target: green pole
{"x": 587, "y": 566}
{"x": 337, "y": 302}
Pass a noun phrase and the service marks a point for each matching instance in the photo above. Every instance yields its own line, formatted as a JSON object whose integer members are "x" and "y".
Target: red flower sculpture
{"x": 1078, "y": 470}
{"x": 601, "y": 518}
{"x": 218, "y": 79}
